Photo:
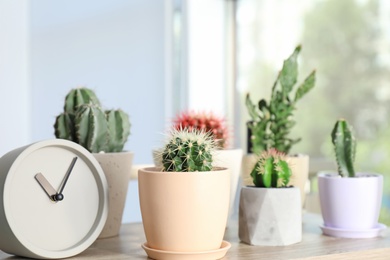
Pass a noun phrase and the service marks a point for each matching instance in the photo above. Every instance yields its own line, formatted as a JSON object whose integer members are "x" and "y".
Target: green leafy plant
{"x": 344, "y": 144}
{"x": 207, "y": 122}
{"x": 86, "y": 123}
{"x": 271, "y": 170}
{"x": 271, "y": 122}
{"x": 188, "y": 151}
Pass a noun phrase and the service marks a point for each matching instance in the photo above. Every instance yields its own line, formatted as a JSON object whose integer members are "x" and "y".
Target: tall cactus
{"x": 271, "y": 170}
{"x": 84, "y": 122}
{"x": 345, "y": 148}
{"x": 271, "y": 122}
{"x": 188, "y": 151}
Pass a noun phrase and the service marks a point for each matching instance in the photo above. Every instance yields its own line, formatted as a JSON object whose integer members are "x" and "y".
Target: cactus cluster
{"x": 271, "y": 170}
{"x": 345, "y": 148}
{"x": 207, "y": 122}
{"x": 188, "y": 151}
{"x": 86, "y": 123}
{"x": 272, "y": 122}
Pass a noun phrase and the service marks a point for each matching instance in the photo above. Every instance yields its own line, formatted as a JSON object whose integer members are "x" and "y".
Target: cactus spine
{"x": 272, "y": 122}
{"x": 188, "y": 151}
{"x": 271, "y": 170}
{"x": 345, "y": 148}
{"x": 86, "y": 123}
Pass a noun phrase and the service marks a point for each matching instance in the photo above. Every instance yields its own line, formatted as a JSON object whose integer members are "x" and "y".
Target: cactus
{"x": 272, "y": 122}
{"x": 207, "y": 122}
{"x": 86, "y": 123}
{"x": 188, "y": 151}
{"x": 271, "y": 170}
{"x": 345, "y": 148}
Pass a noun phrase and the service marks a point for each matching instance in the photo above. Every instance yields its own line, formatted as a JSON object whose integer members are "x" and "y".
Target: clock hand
{"x": 58, "y": 195}
{"x": 46, "y": 186}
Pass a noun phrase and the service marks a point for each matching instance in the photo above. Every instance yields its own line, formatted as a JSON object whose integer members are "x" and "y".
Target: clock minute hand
{"x": 58, "y": 196}
{"x": 46, "y": 186}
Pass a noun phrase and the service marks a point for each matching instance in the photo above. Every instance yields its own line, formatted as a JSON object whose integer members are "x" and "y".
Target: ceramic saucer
{"x": 348, "y": 233}
{"x": 172, "y": 255}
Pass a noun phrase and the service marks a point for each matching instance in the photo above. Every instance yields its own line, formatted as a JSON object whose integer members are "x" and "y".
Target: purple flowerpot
{"x": 350, "y": 203}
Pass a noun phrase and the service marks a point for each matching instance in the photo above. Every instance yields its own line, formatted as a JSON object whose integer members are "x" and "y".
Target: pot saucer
{"x": 353, "y": 233}
{"x": 173, "y": 255}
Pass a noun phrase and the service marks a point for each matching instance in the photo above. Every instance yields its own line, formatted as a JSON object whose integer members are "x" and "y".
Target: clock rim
{"x": 26, "y": 248}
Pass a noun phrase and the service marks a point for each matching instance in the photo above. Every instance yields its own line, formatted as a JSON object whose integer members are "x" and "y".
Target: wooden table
{"x": 313, "y": 246}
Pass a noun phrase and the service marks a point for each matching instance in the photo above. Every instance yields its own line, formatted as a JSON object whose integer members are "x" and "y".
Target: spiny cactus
{"x": 272, "y": 122}
{"x": 86, "y": 123}
{"x": 345, "y": 148}
{"x": 271, "y": 170}
{"x": 207, "y": 122}
{"x": 188, "y": 151}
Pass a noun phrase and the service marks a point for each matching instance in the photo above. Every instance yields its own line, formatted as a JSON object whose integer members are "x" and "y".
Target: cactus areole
{"x": 271, "y": 122}
{"x": 86, "y": 123}
{"x": 345, "y": 148}
{"x": 271, "y": 170}
{"x": 188, "y": 151}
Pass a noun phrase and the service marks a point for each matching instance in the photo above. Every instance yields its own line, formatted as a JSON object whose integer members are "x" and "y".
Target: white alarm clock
{"x": 53, "y": 200}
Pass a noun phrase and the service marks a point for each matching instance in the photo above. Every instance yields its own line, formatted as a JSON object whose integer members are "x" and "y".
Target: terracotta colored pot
{"x": 299, "y": 166}
{"x": 270, "y": 216}
{"x": 117, "y": 169}
{"x": 350, "y": 203}
{"x": 184, "y": 211}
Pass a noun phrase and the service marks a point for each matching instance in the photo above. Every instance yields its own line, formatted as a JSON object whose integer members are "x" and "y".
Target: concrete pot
{"x": 117, "y": 169}
{"x": 184, "y": 211}
{"x": 231, "y": 159}
{"x": 299, "y": 166}
{"x": 270, "y": 216}
{"x": 350, "y": 203}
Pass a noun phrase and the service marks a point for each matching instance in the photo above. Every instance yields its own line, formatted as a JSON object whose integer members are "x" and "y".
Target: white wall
{"x": 15, "y": 128}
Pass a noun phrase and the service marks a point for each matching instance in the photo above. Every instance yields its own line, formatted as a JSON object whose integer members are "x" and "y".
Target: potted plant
{"x": 350, "y": 201}
{"x": 223, "y": 155}
{"x": 271, "y": 122}
{"x": 184, "y": 204}
{"x": 104, "y": 134}
{"x": 270, "y": 213}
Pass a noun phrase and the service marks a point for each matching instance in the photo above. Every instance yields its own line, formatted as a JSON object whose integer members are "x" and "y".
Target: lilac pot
{"x": 350, "y": 203}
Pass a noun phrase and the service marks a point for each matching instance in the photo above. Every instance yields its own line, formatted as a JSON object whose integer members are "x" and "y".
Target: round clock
{"x": 53, "y": 200}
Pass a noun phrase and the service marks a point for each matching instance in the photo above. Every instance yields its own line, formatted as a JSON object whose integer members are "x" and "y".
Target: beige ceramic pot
{"x": 117, "y": 168}
{"x": 184, "y": 211}
{"x": 299, "y": 166}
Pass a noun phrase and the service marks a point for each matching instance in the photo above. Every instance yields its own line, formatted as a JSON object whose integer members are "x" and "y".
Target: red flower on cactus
{"x": 204, "y": 121}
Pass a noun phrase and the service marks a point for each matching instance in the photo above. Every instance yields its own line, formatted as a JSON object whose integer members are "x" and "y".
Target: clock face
{"x": 47, "y": 225}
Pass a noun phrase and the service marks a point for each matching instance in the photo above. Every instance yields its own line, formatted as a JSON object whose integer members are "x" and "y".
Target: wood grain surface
{"x": 313, "y": 246}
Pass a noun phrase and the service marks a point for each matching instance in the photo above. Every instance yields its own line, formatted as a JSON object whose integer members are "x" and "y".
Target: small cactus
{"x": 207, "y": 122}
{"x": 188, "y": 151}
{"x": 345, "y": 148}
{"x": 271, "y": 170}
{"x": 86, "y": 123}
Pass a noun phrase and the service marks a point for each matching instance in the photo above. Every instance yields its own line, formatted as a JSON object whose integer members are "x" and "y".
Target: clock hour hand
{"x": 46, "y": 186}
{"x": 58, "y": 196}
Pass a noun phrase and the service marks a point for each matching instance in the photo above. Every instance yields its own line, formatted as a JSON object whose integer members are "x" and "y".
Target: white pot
{"x": 270, "y": 216}
{"x": 299, "y": 166}
{"x": 231, "y": 159}
{"x": 117, "y": 169}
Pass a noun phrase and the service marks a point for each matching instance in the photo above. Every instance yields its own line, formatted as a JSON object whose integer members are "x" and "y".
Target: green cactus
{"x": 345, "y": 148}
{"x": 271, "y": 170}
{"x": 119, "y": 128}
{"x": 84, "y": 122}
{"x": 272, "y": 122}
{"x": 188, "y": 151}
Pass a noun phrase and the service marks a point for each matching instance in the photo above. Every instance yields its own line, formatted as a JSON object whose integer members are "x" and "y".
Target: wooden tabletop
{"x": 313, "y": 246}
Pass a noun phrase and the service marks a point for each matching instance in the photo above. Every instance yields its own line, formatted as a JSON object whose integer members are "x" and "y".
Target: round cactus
{"x": 188, "y": 151}
{"x": 271, "y": 170}
{"x": 207, "y": 122}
